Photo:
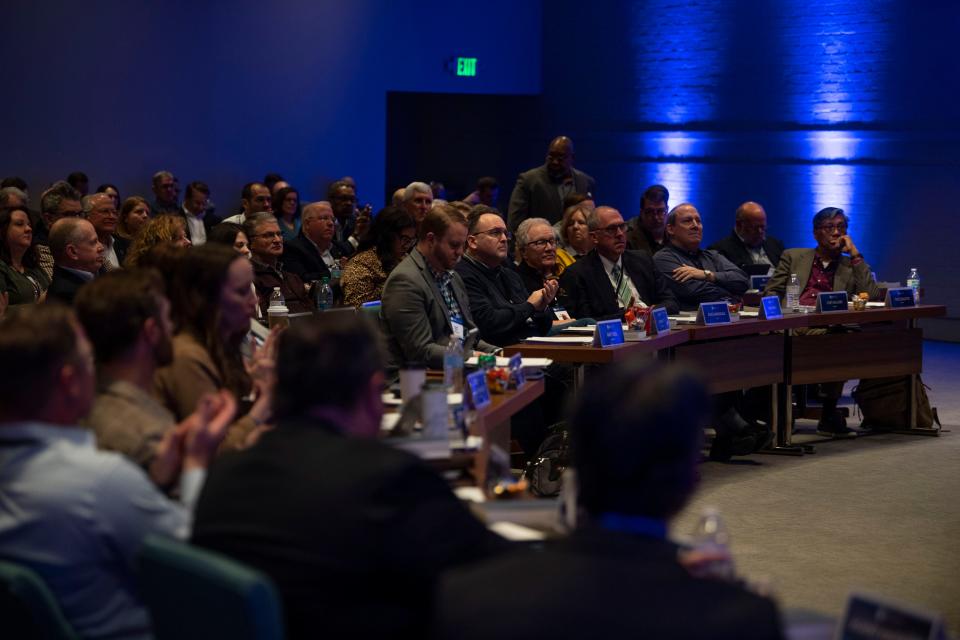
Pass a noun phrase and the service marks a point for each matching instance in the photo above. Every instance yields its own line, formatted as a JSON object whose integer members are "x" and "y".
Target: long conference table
{"x": 749, "y": 352}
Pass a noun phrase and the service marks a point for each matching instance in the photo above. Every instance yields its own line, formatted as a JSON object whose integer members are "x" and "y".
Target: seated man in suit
{"x": 196, "y": 219}
{"x": 266, "y": 248}
{"x": 604, "y": 283}
{"x": 313, "y": 252}
{"x": 695, "y": 275}
{"x": 646, "y": 232}
{"x": 617, "y": 575}
{"x": 75, "y": 515}
{"x": 425, "y": 303}
{"x": 541, "y": 190}
{"x": 352, "y": 531}
{"x": 77, "y": 256}
{"x": 748, "y": 243}
{"x": 826, "y": 268}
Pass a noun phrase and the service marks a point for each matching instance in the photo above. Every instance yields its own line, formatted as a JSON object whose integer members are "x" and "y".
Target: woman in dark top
{"x": 20, "y": 273}
{"x": 390, "y": 238}
{"x": 286, "y": 207}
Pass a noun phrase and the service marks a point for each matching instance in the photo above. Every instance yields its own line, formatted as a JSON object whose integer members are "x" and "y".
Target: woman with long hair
{"x": 20, "y": 273}
{"x": 390, "y": 238}
{"x": 134, "y": 214}
{"x": 165, "y": 229}
{"x": 286, "y": 206}
{"x": 212, "y": 302}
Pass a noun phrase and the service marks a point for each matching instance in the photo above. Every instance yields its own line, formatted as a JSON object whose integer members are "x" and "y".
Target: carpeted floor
{"x": 878, "y": 514}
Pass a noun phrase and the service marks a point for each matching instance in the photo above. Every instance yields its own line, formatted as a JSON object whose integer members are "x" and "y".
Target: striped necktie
{"x": 623, "y": 289}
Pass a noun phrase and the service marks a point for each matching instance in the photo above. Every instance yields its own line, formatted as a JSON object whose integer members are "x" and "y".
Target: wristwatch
{"x": 707, "y": 273}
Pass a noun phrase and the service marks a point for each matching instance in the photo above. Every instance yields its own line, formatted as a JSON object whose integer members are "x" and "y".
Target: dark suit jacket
{"x": 734, "y": 250}
{"x": 209, "y": 221}
{"x": 850, "y": 278}
{"x": 498, "y": 301}
{"x": 536, "y": 196}
{"x": 586, "y": 291}
{"x": 64, "y": 285}
{"x": 353, "y": 532}
{"x": 302, "y": 258}
{"x": 414, "y": 317}
{"x": 597, "y": 584}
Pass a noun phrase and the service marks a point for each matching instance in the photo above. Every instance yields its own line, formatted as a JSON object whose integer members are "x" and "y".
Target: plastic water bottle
{"x": 324, "y": 296}
{"x": 276, "y": 298}
{"x": 335, "y": 271}
{"x": 453, "y": 366}
{"x": 913, "y": 281}
{"x": 712, "y": 537}
{"x": 793, "y": 293}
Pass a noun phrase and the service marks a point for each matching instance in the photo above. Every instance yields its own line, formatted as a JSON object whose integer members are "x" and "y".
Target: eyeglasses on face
{"x": 269, "y": 234}
{"x": 542, "y": 243}
{"x": 614, "y": 229}
{"x": 495, "y": 233}
{"x": 830, "y": 228}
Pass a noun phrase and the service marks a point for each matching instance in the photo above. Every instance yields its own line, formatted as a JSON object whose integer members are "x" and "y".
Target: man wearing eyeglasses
{"x": 504, "y": 312}
{"x": 695, "y": 275}
{"x": 646, "y": 232}
{"x": 834, "y": 265}
{"x": 611, "y": 279}
{"x": 266, "y": 247}
{"x": 315, "y": 249}
{"x": 748, "y": 243}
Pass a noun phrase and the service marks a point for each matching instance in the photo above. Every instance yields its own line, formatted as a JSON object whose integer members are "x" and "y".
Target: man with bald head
{"x": 254, "y": 198}
{"x": 749, "y": 243}
{"x": 77, "y": 255}
{"x": 101, "y": 210}
{"x": 312, "y": 253}
{"x": 540, "y": 192}
{"x": 608, "y": 280}
{"x": 695, "y": 275}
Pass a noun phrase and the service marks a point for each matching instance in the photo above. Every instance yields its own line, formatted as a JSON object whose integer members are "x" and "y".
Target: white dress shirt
{"x": 608, "y": 267}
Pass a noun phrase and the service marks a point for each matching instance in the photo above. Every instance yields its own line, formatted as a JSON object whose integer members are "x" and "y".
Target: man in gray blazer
{"x": 424, "y": 301}
{"x": 539, "y": 192}
{"x": 826, "y": 268}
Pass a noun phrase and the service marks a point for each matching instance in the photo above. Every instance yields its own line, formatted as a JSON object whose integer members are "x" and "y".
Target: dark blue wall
{"x": 226, "y": 91}
{"x": 797, "y": 104}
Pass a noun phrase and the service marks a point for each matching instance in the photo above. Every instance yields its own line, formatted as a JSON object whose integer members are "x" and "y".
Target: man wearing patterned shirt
{"x": 424, "y": 302}
{"x": 822, "y": 269}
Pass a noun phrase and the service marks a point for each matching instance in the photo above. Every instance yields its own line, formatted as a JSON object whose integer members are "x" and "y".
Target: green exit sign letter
{"x": 467, "y": 67}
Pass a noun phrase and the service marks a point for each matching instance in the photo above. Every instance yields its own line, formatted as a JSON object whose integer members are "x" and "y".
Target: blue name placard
{"x": 516, "y": 369}
{"x": 759, "y": 282}
{"x": 711, "y": 313}
{"x": 770, "y": 308}
{"x": 608, "y": 333}
{"x": 899, "y": 297}
{"x": 660, "y": 321}
{"x": 479, "y": 393}
{"x": 831, "y": 301}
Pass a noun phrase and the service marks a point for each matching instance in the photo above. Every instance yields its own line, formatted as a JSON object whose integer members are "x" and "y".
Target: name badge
{"x": 867, "y": 616}
{"x": 711, "y": 313}
{"x": 457, "y": 325}
{"x": 608, "y": 333}
{"x": 659, "y": 321}
{"x": 831, "y": 301}
{"x": 899, "y": 297}
{"x": 560, "y": 313}
{"x": 479, "y": 393}
{"x": 516, "y": 369}
{"x": 770, "y": 308}
{"x": 759, "y": 282}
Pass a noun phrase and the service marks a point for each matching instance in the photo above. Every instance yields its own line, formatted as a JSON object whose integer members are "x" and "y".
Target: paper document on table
{"x": 577, "y": 340}
{"x": 684, "y": 319}
{"x": 749, "y": 314}
{"x": 516, "y": 532}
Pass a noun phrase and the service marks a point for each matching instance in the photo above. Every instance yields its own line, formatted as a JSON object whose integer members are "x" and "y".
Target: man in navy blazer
{"x": 539, "y": 192}
{"x": 601, "y": 285}
{"x": 311, "y": 253}
{"x": 748, "y": 243}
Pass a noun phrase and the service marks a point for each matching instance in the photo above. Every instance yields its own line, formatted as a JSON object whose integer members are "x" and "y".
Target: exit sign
{"x": 467, "y": 67}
